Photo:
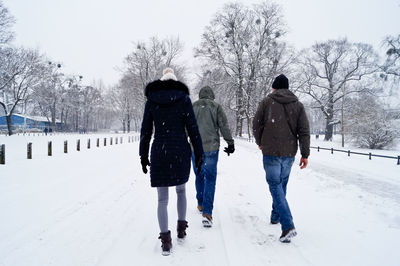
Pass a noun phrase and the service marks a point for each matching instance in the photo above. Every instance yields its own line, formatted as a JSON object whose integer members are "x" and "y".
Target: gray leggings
{"x": 162, "y": 211}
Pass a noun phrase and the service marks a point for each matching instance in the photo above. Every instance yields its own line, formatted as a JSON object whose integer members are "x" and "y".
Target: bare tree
{"x": 144, "y": 64}
{"x": 147, "y": 60}
{"x": 6, "y": 23}
{"x": 331, "y": 70}
{"x": 392, "y": 63}
{"x": 91, "y": 100}
{"x": 244, "y": 43}
{"x": 370, "y": 125}
{"x": 47, "y": 95}
{"x": 20, "y": 75}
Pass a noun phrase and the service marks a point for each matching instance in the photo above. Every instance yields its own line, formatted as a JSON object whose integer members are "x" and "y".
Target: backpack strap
{"x": 288, "y": 122}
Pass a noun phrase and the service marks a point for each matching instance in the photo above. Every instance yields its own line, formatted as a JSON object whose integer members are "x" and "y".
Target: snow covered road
{"x": 96, "y": 207}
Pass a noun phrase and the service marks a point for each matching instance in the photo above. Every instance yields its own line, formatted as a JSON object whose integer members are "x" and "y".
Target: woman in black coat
{"x": 170, "y": 110}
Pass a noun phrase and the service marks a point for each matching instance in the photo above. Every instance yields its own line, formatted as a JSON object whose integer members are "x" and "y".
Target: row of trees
{"x": 243, "y": 51}
{"x": 31, "y": 83}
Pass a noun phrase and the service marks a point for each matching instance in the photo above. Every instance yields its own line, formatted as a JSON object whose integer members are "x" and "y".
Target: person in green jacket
{"x": 211, "y": 120}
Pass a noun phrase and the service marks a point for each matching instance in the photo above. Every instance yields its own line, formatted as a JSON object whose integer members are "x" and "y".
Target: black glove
{"x": 198, "y": 160}
{"x": 230, "y": 149}
{"x": 145, "y": 162}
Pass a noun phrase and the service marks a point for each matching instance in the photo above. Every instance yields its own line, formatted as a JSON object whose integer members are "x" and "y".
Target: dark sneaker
{"x": 181, "y": 228}
{"x": 207, "y": 220}
{"x": 287, "y": 235}
{"x": 166, "y": 243}
{"x": 200, "y": 208}
{"x": 274, "y": 222}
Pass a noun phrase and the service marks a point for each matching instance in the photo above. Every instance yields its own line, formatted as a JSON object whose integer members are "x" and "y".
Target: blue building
{"x": 32, "y": 122}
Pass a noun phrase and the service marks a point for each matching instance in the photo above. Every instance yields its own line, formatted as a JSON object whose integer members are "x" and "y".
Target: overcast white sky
{"x": 91, "y": 37}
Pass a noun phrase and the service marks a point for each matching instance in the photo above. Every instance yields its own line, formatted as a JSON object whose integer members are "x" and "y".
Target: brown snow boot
{"x": 181, "y": 228}
{"x": 166, "y": 243}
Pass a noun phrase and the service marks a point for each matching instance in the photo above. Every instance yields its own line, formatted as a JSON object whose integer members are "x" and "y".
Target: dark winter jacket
{"x": 169, "y": 108}
{"x": 211, "y": 120}
{"x": 277, "y": 130}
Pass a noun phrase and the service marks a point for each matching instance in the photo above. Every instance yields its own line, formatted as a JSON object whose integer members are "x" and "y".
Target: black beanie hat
{"x": 280, "y": 82}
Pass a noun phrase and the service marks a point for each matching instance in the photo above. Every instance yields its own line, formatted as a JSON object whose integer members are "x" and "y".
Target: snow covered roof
{"x": 37, "y": 118}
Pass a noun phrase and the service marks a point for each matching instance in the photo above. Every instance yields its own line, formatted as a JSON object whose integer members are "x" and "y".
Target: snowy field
{"x": 96, "y": 207}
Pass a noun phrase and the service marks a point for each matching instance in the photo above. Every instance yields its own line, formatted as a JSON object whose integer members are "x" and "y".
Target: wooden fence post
{"x": 78, "y": 145}
{"x": 116, "y": 140}
{"x": 111, "y": 140}
{"x": 88, "y": 143}
{"x": 105, "y": 142}
{"x": 3, "y": 154}
{"x": 121, "y": 139}
{"x": 98, "y": 142}
{"x": 66, "y": 146}
{"x": 49, "y": 148}
{"x": 29, "y": 155}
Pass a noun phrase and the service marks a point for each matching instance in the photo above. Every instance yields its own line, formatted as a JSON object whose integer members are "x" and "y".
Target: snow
{"x": 96, "y": 207}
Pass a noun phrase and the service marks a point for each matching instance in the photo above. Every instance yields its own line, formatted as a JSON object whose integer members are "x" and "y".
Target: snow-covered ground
{"x": 96, "y": 207}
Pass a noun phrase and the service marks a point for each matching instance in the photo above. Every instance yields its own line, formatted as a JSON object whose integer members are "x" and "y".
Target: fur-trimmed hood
{"x": 166, "y": 92}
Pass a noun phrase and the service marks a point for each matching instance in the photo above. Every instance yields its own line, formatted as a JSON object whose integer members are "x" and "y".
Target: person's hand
{"x": 230, "y": 149}
{"x": 303, "y": 163}
{"x": 260, "y": 148}
{"x": 145, "y": 162}
{"x": 198, "y": 160}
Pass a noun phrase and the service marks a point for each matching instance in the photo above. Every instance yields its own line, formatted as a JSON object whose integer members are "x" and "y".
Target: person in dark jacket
{"x": 169, "y": 109}
{"x": 279, "y": 123}
{"x": 212, "y": 120}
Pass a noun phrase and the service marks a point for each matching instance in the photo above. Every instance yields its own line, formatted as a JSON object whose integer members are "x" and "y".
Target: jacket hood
{"x": 283, "y": 96}
{"x": 166, "y": 92}
{"x": 206, "y": 93}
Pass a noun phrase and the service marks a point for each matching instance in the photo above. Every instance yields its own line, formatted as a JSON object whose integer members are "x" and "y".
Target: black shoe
{"x": 166, "y": 243}
{"x": 274, "y": 222}
{"x": 287, "y": 235}
{"x": 181, "y": 228}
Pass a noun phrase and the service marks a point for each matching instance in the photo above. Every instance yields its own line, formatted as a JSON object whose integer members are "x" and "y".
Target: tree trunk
{"x": 8, "y": 118}
{"x": 329, "y": 118}
{"x": 248, "y": 127}
{"x": 53, "y": 117}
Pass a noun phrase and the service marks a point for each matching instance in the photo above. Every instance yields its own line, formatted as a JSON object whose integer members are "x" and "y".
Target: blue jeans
{"x": 277, "y": 171}
{"x": 205, "y": 181}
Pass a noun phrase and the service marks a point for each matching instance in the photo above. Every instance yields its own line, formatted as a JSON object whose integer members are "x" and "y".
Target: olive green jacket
{"x": 211, "y": 120}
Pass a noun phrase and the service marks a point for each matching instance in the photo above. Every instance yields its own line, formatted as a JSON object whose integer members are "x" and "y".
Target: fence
{"x": 131, "y": 139}
{"x": 349, "y": 152}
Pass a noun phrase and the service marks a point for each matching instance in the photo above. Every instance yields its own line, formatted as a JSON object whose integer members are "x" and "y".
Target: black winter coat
{"x": 279, "y": 123}
{"x": 170, "y": 109}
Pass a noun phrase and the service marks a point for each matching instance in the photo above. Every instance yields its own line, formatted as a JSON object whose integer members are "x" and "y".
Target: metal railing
{"x": 349, "y": 152}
